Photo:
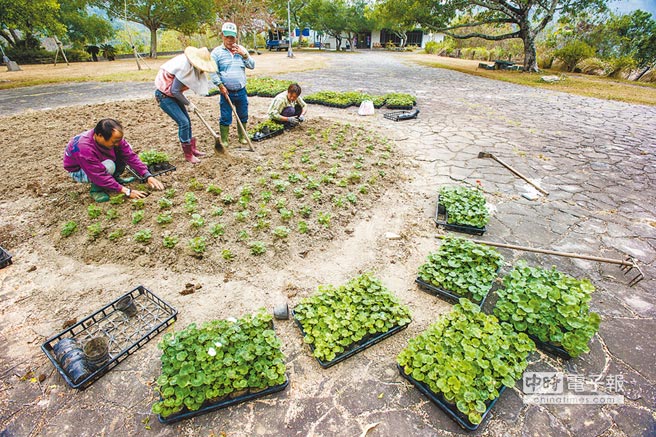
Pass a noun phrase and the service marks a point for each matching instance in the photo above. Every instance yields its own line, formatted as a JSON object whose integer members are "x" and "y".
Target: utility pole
{"x": 290, "y": 54}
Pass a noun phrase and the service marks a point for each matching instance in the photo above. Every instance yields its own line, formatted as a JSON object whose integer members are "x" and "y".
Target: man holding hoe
{"x": 99, "y": 156}
{"x": 231, "y": 61}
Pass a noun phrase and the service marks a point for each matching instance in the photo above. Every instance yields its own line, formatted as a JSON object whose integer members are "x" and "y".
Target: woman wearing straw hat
{"x": 183, "y": 72}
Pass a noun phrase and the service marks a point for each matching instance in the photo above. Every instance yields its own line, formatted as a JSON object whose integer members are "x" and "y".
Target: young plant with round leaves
{"x": 462, "y": 267}
{"x": 336, "y": 318}
{"x": 467, "y": 357}
{"x": 550, "y": 305}
{"x": 206, "y": 364}
{"x": 464, "y": 206}
{"x": 143, "y": 236}
{"x": 69, "y": 228}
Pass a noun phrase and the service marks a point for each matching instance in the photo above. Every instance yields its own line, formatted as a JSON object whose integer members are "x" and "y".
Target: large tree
{"x": 21, "y": 20}
{"x": 82, "y": 27}
{"x": 526, "y": 17}
{"x": 186, "y": 16}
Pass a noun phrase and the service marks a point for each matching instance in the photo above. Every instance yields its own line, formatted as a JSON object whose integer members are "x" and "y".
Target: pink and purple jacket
{"x": 82, "y": 152}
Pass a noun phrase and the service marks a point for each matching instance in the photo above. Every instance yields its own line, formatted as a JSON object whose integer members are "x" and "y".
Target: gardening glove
{"x": 301, "y": 118}
{"x": 191, "y": 107}
{"x": 293, "y": 121}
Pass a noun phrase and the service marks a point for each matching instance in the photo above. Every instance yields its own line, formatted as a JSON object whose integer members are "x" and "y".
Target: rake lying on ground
{"x": 626, "y": 265}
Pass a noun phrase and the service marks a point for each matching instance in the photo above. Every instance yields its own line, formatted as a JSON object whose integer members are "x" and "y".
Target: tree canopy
{"x": 20, "y": 20}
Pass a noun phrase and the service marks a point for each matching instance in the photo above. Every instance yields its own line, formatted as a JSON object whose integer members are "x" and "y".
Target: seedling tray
{"x": 213, "y": 406}
{"x": 356, "y": 347}
{"x": 401, "y": 115}
{"x": 550, "y": 348}
{"x": 259, "y": 136}
{"x": 126, "y": 334}
{"x": 446, "y": 295}
{"x": 442, "y": 219}
{"x": 5, "y": 258}
{"x": 155, "y": 170}
{"x": 450, "y": 409}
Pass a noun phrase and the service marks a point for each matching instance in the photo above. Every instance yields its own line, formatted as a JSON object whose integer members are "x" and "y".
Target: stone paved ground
{"x": 595, "y": 157}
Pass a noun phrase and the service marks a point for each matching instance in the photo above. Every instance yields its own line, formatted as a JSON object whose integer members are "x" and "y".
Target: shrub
{"x": 594, "y": 66}
{"x": 574, "y": 52}
{"x": 619, "y": 66}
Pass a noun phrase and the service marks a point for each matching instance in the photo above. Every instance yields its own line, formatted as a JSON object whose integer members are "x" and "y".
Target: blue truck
{"x": 277, "y": 40}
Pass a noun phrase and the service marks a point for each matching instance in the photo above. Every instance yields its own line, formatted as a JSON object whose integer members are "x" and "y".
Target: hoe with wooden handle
{"x": 489, "y": 155}
{"x": 218, "y": 145}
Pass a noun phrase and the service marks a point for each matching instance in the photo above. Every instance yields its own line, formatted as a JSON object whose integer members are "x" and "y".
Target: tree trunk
{"x": 153, "y": 43}
{"x": 530, "y": 57}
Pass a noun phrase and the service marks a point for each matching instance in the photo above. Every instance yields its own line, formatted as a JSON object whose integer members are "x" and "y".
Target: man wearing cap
{"x": 231, "y": 61}
{"x": 183, "y": 72}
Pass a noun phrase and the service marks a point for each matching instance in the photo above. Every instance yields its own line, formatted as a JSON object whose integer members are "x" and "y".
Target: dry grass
{"x": 123, "y": 70}
{"x": 584, "y": 85}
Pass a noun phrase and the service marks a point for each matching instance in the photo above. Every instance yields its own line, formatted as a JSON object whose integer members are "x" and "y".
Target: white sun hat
{"x": 200, "y": 58}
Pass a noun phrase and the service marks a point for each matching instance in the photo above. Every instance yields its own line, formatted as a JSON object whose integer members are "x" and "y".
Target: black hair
{"x": 106, "y": 127}
{"x": 294, "y": 89}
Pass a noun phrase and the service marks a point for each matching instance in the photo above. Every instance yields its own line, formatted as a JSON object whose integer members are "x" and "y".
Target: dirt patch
{"x": 298, "y": 190}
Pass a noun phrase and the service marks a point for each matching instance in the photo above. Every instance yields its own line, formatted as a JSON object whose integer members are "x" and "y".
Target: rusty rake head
{"x": 631, "y": 267}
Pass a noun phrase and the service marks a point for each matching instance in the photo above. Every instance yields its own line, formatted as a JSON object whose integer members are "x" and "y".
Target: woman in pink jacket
{"x": 183, "y": 72}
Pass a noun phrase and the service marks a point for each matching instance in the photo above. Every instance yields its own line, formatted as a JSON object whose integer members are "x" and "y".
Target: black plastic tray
{"x": 441, "y": 211}
{"x": 126, "y": 335}
{"x": 447, "y": 295}
{"x": 167, "y": 168}
{"x": 400, "y": 106}
{"x": 356, "y": 347}
{"x": 5, "y": 258}
{"x": 259, "y": 136}
{"x": 450, "y": 409}
{"x": 222, "y": 404}
{"x": 401, "y": 115}
{"x": 550, "y": 348}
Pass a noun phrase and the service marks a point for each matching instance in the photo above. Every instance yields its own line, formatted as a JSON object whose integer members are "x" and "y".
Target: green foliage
{"x": 464, "y": 206}
{"x": 257, "y": 248}
{"x": 150, "y": 157}
{"x": 467, "y": 356}
{"x": 324, "y": 219}
{"x": 214, "y": 189}
{"x": 170, "y": 193}
{"x": 217, "y": 230}
{"x": 399, "y": 100}
{"x": 336, "y": 318}
{"x": 144, "y": 236}
{"x": 463, "y": 268}
{"x": 164, "y": 218}
{"x": 281, "y": 232}
{"x": 349, "y": 98}
{"x": 195, "y": 185}
{"x": 241, "y": 216}
{"x": 197, "y": 221}
{"x": 243, "y": 235}
{"x": 218, "y": 212}
{"x": 197, "y": 245}
{"x": 303, "y": 227}
{"x": 115, "y": 235}
{"x": 550, "y": 305}
{"x": 138, "y": 204}
{"x": 227, "y": 255}
{"x": 228, "y": 199}
{"x": 94, "y": 230}
{"x": 112, "y": 214}
{"x": 69, "y": 228}
{"x": 165, "y": 203}
{"x": 117, "y": 199}
{"x": 265, "y": 128}
{"x": 216, "y": 359}
{"x": 169, "y": 241}
{"x": 573, "y": 52}
{"x": 137, "y": 216}
{"x": 94, "y": 211}
{"x": 266, "y": 86}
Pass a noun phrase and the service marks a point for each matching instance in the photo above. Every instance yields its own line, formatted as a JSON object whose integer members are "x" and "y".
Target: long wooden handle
{"x": 241, "y": 126}
{"x": 541, "y": 190}
{"x": 202, "y": 119}
{"x": 554, "y": 252}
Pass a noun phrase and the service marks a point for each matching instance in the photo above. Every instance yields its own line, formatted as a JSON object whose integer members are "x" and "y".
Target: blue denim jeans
{"x": 113, "y": 168}
{"x": 240, "y": 100}
{"x": 178, "y": 112}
